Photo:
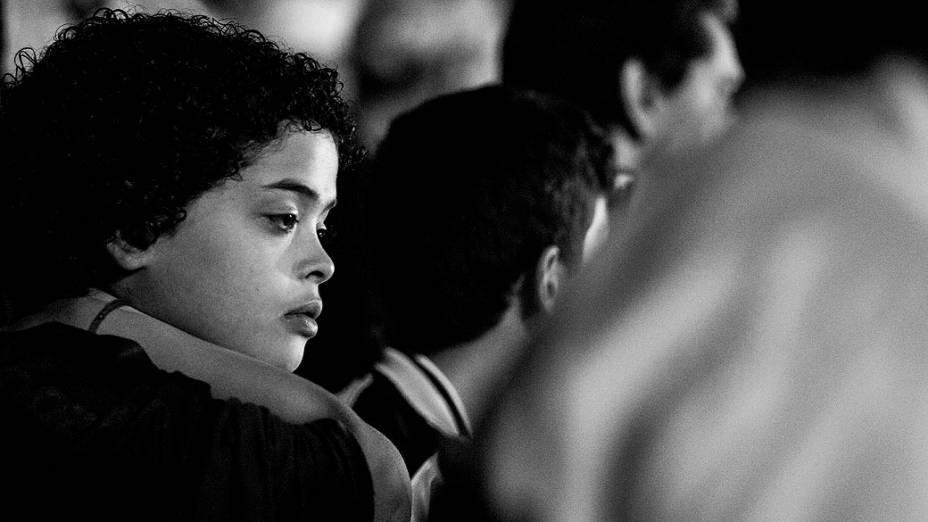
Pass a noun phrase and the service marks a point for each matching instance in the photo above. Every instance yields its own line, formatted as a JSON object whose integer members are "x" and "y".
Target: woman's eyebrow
{"x": 301, "y": 189}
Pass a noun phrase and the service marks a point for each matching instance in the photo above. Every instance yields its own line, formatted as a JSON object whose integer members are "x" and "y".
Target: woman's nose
{"x": 315, "y": 262}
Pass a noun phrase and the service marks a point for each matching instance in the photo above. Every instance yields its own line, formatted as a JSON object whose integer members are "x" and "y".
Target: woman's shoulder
{"x": 260, "y": 398}
{"x": 101, "y": 397}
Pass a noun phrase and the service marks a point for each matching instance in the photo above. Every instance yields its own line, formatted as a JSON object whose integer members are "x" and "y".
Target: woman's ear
{"x": 548, "y": 277}
{"x": 127, "y": 256}
{"x": 642, "y": 98}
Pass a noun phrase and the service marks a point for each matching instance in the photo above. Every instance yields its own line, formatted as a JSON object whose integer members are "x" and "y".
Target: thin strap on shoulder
{"x": 426, "y": 389}
{"x": 453, "y": 405}
{"x": 105, "y": 311}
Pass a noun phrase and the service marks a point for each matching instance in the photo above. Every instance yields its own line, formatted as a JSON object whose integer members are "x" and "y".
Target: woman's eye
{"x": 326, "y": 235}
{"x": 285, "y": 222}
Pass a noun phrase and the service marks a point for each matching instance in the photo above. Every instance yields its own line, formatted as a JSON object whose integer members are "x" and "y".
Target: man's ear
{"x": 642, "y": 97}
{"x": 548, "y": 277}
{"x": 127, "y": 256}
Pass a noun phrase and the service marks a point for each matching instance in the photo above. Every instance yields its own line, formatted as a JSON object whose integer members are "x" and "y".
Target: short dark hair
{"x": 576, "y": 49}
{"x": 824, "y": 39}
{"x": 466, "y": 192}
{"x": 124, "y": 120}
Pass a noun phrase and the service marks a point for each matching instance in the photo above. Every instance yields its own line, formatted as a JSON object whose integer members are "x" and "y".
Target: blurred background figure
{"x": 393, "y": 54}
{"x": 753, "y": 347}
{"x": 659, "y": 74}
{"x": 33, "y": 23}
{"x": 518, "y": 186}
{"x": 323, "y": 27}
{"x": 408, "y": 51}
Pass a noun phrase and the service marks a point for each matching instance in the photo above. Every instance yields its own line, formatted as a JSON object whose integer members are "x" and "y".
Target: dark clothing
{"x": 410, "y": 401}
{"x": 462, "y": 496}
{"x": 93, "y": 428}
{"x": 385, "y": 407}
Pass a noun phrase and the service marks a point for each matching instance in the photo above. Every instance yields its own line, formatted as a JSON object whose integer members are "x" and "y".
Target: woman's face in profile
{"x": 243, "y": 269}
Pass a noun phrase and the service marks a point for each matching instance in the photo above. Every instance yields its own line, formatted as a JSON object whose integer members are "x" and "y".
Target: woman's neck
{"x": 168, "y": 347}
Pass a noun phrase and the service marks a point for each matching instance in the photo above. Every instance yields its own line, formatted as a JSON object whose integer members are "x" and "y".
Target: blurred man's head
{"x": 408, "y": 51}
{"x": 659, "y": 73}
{"x": 481, "y": 201}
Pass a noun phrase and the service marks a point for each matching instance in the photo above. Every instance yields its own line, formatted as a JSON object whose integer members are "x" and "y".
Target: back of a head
{"x": 575, "y": 49}
{"x": 815, "y": 41}
{"x": 466, "y": 192}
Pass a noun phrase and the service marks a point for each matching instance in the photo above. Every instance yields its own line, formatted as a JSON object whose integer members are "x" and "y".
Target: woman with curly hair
{"x": 166, "y": 185}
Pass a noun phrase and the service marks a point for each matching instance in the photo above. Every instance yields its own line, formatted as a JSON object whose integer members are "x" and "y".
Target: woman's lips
{"x": 302, "y": 324}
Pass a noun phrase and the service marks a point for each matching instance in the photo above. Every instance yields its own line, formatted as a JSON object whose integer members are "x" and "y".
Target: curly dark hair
{"x": 124, "y": 120}
{"x": 466, "y": 192}
{"x": 576, "y": 49}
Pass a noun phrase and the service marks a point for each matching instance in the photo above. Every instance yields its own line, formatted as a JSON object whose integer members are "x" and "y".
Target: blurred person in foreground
{"x": 167, "y": 183}
{"x": 660, "y": 75}
{"x": 515, "y": 189}
{"x": 753, "y": 348}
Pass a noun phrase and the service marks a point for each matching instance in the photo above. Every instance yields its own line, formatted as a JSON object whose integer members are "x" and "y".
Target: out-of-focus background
{"x": 392, "y": 54}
